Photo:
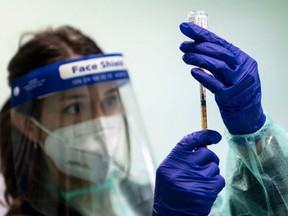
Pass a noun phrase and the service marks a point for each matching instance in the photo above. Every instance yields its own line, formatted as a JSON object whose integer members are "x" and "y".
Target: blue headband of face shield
{"x": 68, "y": 74}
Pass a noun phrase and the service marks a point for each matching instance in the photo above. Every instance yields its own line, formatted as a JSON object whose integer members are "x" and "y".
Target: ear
{"x": 26, "y": 126}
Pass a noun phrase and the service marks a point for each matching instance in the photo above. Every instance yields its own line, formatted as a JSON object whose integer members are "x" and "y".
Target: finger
{"x": 209, "y": 63}
{"x": 208, "y": 170}
{"x": 217, "y": 67}
{"x": 212, "y": 169}
{"x": 207, "y": 80}
{"x": 219, "y": 183}
{"x": 213, "y": 185}
{"x": 200, "y": 34}
{"x": 198, "y": 139}
{"x": 212, "y": 50}
{"x": 203, "y": 156}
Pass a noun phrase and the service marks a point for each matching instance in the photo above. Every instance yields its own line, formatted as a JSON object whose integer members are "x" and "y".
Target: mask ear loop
{"x": 39, "y": 125}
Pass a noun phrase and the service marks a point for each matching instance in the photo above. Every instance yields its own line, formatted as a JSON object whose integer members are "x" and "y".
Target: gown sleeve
{"x": 257, "y": 174}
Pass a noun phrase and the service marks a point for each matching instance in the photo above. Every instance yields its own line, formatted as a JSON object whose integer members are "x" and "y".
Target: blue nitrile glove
{"x": 188, "y": 180}
{"x": 235, "y": 81}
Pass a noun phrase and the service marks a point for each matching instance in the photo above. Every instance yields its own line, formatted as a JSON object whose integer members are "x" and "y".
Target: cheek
{"x": 53, "y": 118}
{"x": 50, "y": 117}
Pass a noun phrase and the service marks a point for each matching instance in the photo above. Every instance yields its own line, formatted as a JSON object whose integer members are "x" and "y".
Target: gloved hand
{"x": 235, "y": 81}
{"x": 188, "y": 180}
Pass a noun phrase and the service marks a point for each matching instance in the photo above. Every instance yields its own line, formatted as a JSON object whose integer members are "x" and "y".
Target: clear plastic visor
{"x": 83, "y": 151}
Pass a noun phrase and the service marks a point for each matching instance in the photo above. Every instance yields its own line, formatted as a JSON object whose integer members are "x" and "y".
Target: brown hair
{"x": 45, "y": 47}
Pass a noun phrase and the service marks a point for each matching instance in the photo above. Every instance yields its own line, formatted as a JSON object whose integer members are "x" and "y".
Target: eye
{"x": 111, "y": 103}
{"x": 73, "y": 109}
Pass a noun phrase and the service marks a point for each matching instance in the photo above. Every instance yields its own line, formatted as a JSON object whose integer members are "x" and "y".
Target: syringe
{"x": 201, "y": 18}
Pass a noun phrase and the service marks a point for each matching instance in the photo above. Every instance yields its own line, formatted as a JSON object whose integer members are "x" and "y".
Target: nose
{"x": 97, "y": 109}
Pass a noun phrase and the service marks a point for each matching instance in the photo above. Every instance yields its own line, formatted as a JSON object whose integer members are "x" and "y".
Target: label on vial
{"x": 200, "y": 20}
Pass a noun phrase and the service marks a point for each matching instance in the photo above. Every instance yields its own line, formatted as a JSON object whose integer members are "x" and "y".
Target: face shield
{"x": 79, "y": 146}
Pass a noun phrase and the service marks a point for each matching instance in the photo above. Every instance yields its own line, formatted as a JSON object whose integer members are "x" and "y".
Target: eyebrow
{"x": 111, "y": 90}
{"x": 72, "y": 96}
{"x": 79, "y": 96}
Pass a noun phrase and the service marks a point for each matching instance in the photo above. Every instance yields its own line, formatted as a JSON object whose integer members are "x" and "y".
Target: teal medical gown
{"x": 257, "y": 174}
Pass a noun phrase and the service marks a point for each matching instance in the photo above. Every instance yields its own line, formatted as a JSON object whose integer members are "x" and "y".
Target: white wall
{"x": 147, "y": 33}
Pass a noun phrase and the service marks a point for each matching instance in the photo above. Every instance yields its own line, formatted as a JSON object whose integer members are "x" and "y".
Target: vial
{"x": 199, "y": 18}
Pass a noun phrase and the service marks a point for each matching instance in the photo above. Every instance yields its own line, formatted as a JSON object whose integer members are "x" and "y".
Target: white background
{"x": 147, "y": 32}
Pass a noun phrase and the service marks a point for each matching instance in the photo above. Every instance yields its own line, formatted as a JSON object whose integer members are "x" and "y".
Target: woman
{"x": 75, "y": 131}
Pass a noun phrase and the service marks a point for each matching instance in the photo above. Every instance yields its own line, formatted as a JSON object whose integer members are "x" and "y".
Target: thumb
{"x": 198, "y": 139}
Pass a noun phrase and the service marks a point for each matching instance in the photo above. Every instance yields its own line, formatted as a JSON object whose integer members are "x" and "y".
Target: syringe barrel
{"x": 201, "y": 18}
